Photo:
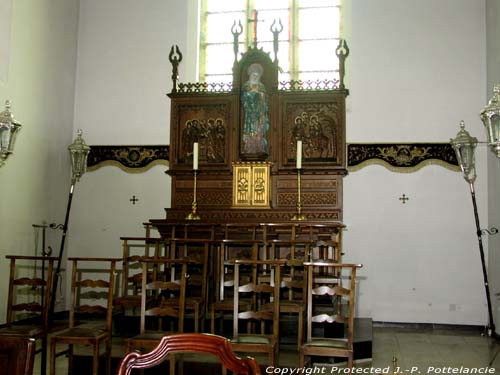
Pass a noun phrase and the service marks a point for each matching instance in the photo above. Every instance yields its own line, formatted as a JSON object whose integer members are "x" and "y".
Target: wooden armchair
{"x": 28, "y": 301}
{"x": 330, "y": 302}
{"x": 17, "y": 355}
{"x": 91, "y": 300}
{"x": 190, "y": 343}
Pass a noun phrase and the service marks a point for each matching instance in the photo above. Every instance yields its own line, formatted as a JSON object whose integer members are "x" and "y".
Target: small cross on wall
{"x": 404, "y": 198}
{"x": 134, "y": 199}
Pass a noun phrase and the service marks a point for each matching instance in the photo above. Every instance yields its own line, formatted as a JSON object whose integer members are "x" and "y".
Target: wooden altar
{"x": 216, "y": 117}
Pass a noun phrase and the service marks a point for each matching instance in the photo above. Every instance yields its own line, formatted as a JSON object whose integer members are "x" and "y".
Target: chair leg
{"x": 300, "y": 330}
{"x": 108, "y": 356}
{"x": 70, "y": 359}
{"x": 196, "y": 319}
{"x": 52, "y": 357}
{"x": 350, "y": 361}
{"x": 95, "y": 360}
{"x": 172, "y": 364}
{"x": 43, "y": 365}
{"x": 212, "y": 320}
{"x": 301, "y": 359}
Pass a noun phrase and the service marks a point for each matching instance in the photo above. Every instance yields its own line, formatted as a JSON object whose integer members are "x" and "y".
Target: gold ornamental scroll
{"x": 251, "y": 184}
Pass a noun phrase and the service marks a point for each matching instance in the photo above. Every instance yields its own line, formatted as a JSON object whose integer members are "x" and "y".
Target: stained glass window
{"x": 307, "y": 43}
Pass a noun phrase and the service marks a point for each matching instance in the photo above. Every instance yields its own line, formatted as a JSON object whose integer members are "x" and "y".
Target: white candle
{"x": 195, "y": 156}
{"x": 299, "y": 154}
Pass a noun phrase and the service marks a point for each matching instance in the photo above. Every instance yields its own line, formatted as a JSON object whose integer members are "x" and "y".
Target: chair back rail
{"x": 190, "y": 343}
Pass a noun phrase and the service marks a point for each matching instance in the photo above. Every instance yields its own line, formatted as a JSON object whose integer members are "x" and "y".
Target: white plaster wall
{"x": 416, "y": 69}
{"x": 123, "y": 76}
{"x": 40, "y": 84}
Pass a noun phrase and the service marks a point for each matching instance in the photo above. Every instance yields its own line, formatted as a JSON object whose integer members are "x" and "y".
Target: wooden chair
{"x": 330, "y": 302}
{"x": 279, "y": 231}
{"x": 229, "y": 250}
{"x": 196, "y": 251}
{"x": 242, "y": 231}
{"x": 28, "y": 300}
{"x": 91, "y": 298}
{"x": 293, "y": 286}
{"x": 190, "y": 343}
{"x": 262, "y": 328}
{"x": 135, "y": 248}
{"x": 161, "y": 299}
{"x": 17, "y": 355}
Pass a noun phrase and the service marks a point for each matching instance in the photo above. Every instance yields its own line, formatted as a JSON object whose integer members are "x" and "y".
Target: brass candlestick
{"x": 193, "y": 215}
{"x": 299, "y": 215}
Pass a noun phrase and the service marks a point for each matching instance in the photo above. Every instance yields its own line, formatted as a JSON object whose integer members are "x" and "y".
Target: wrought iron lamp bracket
{"x": 492, "y": 231}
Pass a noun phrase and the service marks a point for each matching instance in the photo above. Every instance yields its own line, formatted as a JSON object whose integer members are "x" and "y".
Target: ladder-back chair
{"x": 228, "y": 251}
{"x": 293, "y": 285}
{"x": 28, "y": 300}
{"x": 135, "y": 248}
{"x": 262, "y": 328}
{"x": 162, "y": 303}
{"x": 196, "y": 251}
{"x": 91, "y": 308}
{"x": 330, "y": 302}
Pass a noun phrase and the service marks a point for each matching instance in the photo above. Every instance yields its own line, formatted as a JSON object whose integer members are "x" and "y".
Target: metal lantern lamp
{"x": 79, "y": 152}
{"x": 465, "y": 145}
{"x": 8, "y": 133}
{"x": 490, "y": 115}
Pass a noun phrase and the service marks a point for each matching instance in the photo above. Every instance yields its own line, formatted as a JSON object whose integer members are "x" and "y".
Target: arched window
{"x": 307, "y": 43}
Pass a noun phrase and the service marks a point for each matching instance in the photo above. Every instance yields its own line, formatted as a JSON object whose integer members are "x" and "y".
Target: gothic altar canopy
{"x": 247, "y": 134}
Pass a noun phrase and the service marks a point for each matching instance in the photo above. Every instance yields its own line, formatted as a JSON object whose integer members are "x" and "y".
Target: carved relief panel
{"x": 317, "y": 119}
{"x": 206, "y": 121}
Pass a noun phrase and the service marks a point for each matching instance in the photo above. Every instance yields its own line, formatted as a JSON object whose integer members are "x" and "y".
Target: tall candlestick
{"x": 299, "y": 154}
{"x": 195, "y": 156}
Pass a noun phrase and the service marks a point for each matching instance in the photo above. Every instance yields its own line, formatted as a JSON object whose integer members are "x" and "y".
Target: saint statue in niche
{"x": 256, "y": 118}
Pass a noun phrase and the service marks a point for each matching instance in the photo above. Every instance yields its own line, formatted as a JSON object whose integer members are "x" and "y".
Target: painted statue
{"x": 256, "y": 117}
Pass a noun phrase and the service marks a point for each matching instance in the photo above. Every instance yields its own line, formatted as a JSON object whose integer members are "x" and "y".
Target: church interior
{"x": 174, "y": 166}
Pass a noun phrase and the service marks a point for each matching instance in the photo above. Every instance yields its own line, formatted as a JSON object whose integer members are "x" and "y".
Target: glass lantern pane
{"x": 317, "y": 23}
{"x": 495, "y": 129}
{"x": 4, "y": 138}
{"x": 318, "y": 55}
{"x": 218, "y": 28}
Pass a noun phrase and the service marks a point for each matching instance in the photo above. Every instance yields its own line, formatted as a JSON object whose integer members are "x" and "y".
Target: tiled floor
{"x": 422, "y": 349}
{"x": 418, "y": 351}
